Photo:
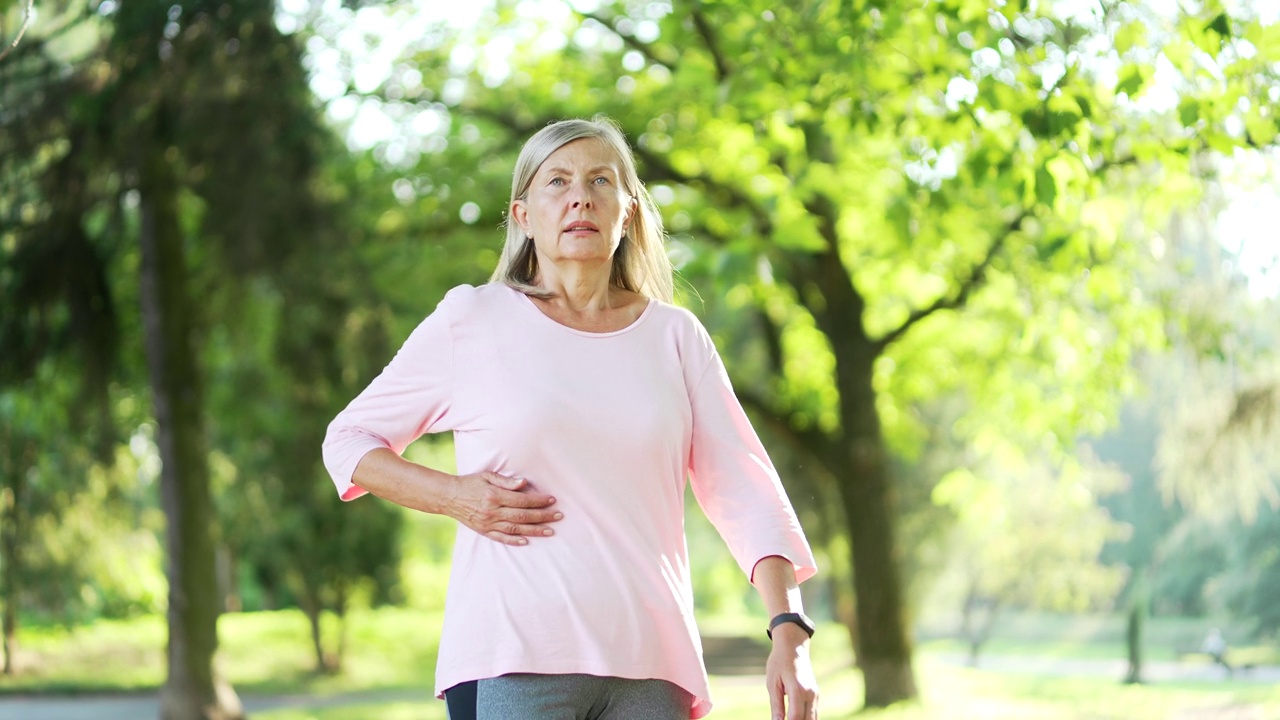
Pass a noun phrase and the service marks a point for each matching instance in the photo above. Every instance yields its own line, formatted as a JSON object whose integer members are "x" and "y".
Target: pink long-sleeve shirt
{"x": 611, "y": 424}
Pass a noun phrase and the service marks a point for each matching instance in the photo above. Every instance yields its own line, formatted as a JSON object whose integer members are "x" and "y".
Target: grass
{"x": 261, "y": 653}
{"x": 391, "y": 654}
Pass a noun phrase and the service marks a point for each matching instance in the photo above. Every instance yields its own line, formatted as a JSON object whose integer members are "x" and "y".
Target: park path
{"x": 1161, "y": 671}
{"x": 147, "y": 706}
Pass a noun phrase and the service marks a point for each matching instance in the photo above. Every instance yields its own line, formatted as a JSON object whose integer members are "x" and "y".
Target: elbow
{"x": 342, "y": 450}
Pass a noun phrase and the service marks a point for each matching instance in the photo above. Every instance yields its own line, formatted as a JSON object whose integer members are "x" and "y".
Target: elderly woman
{"x": 580, "y": 400}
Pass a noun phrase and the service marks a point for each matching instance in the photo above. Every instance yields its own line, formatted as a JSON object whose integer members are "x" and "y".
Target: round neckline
{"x": 528, "y": 302}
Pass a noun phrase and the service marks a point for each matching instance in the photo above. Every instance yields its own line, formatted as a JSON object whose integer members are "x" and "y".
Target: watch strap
{"x": 790, "y": 617}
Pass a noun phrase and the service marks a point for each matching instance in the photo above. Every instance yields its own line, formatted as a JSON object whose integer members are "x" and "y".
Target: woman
{"x": 580, "y": 400}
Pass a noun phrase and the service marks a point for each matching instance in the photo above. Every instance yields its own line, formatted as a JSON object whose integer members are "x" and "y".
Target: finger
{"x": 776, "y": 704}
{"x": 504, "y": 481}
{"x": 530, "y": 517}
{"x": 505, "y": 539}
{"x": 510, "y": 498}
{"x": 515, "y": 530}
{"x": 797, "y": 702}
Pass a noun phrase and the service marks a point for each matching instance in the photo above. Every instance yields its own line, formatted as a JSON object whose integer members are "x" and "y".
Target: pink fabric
{"x": 611, "y": 424}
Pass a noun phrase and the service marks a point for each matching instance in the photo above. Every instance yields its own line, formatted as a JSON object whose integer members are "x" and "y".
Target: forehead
{"x": 582, "y": 154}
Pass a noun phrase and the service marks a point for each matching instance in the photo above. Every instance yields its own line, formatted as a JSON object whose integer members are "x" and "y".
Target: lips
{"x": 581, "y": 226}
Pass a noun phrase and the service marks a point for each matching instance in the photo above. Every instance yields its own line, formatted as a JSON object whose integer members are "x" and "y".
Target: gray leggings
{"x": 579, "y": 697}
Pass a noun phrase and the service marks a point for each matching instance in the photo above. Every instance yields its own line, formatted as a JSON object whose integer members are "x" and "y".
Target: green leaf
{"x": 1220, "y": 25}
{"x": 1132, "y": 78}
{"x": 1189, "y": 111}
{"x": 1046, "y": 186}
{"x": 1064, "y": 114}
{"x": 1129, "y": 36}
{"x": 1180, "y": 54}
{"x": 1262, "y": 131}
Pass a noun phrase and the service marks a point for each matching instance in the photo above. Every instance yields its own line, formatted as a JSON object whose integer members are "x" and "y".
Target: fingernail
{"x": 557, "y": 516}
{"x": 546, "y": 531}
{"x": 522, "y": 541}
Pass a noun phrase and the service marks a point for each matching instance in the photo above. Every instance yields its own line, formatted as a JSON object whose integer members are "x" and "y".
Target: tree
{"x": 1029, "y": 535}
{"x": 73, "y": 544}
{"x": 198, "y": 116}
{"x": 1189, "y": 481}
{"x": 903, "y": 189}
{"x": 307, "y": 342}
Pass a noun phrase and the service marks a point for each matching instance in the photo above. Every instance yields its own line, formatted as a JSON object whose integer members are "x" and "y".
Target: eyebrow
{"x": 565, "y": 171}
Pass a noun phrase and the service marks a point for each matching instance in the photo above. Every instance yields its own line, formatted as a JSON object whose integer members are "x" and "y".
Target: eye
{"x": 601, "y": 180}
{"x": 556, "y": 181}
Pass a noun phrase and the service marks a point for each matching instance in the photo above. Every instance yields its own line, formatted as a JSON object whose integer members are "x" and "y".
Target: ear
{"x": 520, "y": 214}
{"x": 632, "y": 208}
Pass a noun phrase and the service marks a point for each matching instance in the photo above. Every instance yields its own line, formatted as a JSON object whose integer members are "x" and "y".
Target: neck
{"x": 579, "y": 286}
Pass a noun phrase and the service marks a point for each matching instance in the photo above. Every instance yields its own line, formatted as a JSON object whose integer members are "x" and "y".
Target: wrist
{"x": 789, "y": 635}
{"x": 790, "y": 623}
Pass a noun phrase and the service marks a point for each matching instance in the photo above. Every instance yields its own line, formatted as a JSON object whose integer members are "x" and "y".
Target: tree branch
{"x": 26, "y": 20}
{"x": 646, "y": 49}
{"x": 975, "y": 278}
{"x": 811, "y": 441}
{"x": 660, "y": 168}
{"x": 713, "y": 45}
{"x": 772, "y": 341}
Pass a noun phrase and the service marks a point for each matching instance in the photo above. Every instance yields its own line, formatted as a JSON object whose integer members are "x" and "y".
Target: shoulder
{"x": 691, "y": 338}
{"x": 677, "y": 317}
{"x": 469, "y": 301}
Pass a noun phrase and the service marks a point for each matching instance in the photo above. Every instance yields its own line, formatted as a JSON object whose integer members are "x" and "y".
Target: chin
{"x": 586, "y": 250}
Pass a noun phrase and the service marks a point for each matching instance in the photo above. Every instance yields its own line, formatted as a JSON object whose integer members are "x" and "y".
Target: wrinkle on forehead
{"x": 556, "y": 163}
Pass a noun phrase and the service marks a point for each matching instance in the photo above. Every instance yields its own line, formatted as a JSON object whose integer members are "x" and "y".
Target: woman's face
{"x": 575, "y": 208}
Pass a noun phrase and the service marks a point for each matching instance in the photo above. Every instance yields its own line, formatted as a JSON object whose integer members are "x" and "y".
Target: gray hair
{"x": 640, "y": 263}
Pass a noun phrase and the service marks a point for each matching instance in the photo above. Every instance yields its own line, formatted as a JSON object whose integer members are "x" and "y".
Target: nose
{"x": 581, "y": 197}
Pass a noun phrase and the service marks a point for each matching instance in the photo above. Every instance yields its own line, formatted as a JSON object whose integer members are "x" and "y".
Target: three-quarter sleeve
{"x": 735, "y": 482}
{"x": 409, "y": 398}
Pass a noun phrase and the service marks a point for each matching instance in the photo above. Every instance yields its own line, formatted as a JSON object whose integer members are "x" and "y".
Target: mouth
{"x": 581, "y": 226}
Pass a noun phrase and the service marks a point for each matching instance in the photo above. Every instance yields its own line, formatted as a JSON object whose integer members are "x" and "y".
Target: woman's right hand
{"x": 504, "y": 509}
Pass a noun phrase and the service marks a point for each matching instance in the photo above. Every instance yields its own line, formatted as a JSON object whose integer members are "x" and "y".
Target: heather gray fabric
{"x": 579, "y": 697}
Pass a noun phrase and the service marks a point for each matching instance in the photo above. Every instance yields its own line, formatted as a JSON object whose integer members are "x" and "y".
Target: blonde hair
{"x": 640, "y": 263}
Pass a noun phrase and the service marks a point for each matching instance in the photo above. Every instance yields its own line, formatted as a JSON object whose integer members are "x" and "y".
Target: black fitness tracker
{"x": 798, "y": 618}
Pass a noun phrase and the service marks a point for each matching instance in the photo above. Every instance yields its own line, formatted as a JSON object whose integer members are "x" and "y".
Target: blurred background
{"x": 998, "y": 281}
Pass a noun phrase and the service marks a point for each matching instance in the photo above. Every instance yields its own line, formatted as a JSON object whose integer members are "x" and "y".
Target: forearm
{"x": 775, "y": 579}
{"x": 793, "y": 690}
{"x": 390, "y": 477}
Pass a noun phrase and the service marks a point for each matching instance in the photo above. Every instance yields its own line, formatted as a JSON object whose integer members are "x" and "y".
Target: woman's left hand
{"x": 793, "y": 690}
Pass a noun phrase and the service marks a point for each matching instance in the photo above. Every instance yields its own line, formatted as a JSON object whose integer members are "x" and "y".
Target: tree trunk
{"x": 20, "y": 456}
{"x": 311, "y": 608}
{"x": 1133, "y": 639}
{"x": 884, "y": 650}
{"x": 192, "y": 690}
{"x": 341, "y": 610}
{"x": 9, "y": 508}
{"x": 982, "y": 633}
{"x": 10, "y": 628}
{"x": 967, "y": 630}
{"x": 9, "y": 581}
{"x": 883, "y": 644}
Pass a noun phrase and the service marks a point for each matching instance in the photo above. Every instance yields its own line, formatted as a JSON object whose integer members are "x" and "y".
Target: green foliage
{"x": 942, "y": 198}
{"x": 79, "y": 536}
{"x": 974, "y": 179}
{"x": 216, "y": 97}
{"x": 1029, "y": 533}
